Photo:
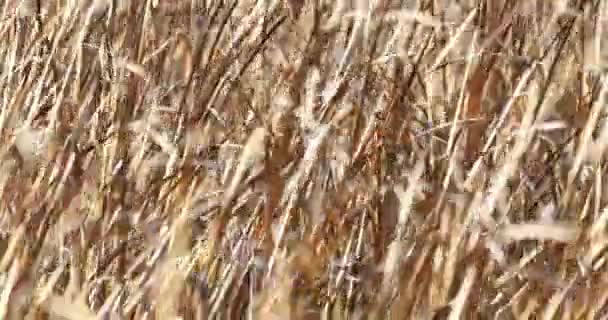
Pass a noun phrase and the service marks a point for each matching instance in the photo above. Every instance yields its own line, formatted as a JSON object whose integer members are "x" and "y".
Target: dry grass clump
{"x": 303, "y": 159}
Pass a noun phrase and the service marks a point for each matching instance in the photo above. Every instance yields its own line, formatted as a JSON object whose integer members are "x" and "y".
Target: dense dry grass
{"x": 303, "y": 159}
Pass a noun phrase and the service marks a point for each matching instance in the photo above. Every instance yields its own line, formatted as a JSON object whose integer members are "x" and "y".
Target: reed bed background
{"x": 303, "y": 159}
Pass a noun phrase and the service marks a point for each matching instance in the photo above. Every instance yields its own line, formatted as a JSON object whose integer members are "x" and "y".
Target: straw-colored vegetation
{"x": 303, "y": 159}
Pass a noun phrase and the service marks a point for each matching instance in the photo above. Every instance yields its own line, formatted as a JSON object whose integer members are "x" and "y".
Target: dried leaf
{"x": 136, "y": 69}
{"x": 537, "y": 231}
